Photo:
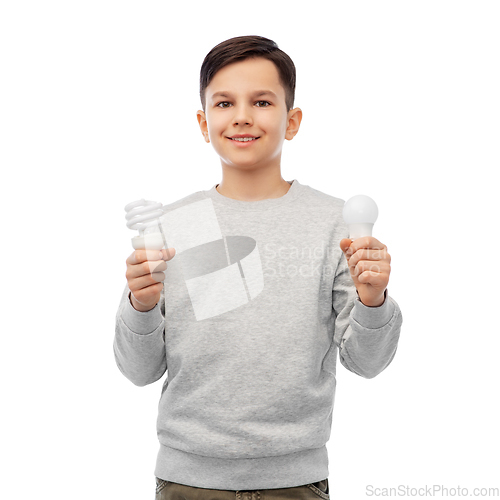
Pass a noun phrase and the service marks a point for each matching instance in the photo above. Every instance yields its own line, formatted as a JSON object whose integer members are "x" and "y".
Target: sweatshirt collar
{"x": 267, "y": 204}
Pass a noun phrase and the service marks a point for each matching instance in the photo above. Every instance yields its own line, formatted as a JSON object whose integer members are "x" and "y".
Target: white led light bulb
{"x": 143, "y": 215}
{"x": 360, "y": 213}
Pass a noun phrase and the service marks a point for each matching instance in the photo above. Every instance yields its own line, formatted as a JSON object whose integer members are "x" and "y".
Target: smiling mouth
{"x": 243, "y": 139}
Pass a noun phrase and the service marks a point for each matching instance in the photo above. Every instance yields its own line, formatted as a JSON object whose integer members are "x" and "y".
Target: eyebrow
{"x": 258, "y": 93}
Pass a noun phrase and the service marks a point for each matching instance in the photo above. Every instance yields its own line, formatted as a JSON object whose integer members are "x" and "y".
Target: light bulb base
{"x": 359, "y": 230}
{"x": 151, "y": 241}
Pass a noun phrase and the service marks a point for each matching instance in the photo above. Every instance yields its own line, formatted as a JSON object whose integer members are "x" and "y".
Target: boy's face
{"x": 242, "y": 111}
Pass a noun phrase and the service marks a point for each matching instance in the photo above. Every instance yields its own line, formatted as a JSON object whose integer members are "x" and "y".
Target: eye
{"x": 267, "y": 104}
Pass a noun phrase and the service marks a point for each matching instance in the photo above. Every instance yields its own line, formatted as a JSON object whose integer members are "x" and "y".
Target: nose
{"x": 242, "y": 115}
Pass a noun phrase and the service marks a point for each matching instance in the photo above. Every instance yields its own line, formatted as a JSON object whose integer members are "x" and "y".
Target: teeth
{"x": 244, "y": 139}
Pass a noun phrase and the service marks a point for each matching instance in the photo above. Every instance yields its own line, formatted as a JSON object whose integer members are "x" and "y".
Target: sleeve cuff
{"x": 142, "y": 323}
{"x": 374, "y": 317}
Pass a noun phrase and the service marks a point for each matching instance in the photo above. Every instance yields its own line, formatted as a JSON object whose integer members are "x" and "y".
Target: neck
{"x": 252, "y": 186}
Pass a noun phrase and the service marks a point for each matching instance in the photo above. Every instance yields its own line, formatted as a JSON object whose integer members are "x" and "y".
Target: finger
{"x": 367, "y": 242}
{"x": 158, "y": 277}
{"x": 168, "y": 253}
{"x": 140, "y": 256}
{"x": 373, "y": 278}
{"x": 362, "y": 266}
{"x": 145, "y": 268}
{"x": 152, "y": 267}
{"x": 373, "y": 255}
{"x": 145, "y": 294}
{"x": 146, "y": 281}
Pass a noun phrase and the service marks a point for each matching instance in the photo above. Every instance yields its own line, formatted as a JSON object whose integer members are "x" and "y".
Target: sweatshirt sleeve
{"x": 139, "y": 342}
{"x": 366, "y": 337}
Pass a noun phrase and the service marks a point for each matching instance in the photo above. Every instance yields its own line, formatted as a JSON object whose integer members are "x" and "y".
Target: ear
{"x": 202, "y": 121}
{"x": 293, "y": 123}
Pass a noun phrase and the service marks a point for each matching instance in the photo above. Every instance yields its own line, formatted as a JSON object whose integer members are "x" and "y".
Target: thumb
{"x": 345, "y": 243}
{"x": 168, "y": 253}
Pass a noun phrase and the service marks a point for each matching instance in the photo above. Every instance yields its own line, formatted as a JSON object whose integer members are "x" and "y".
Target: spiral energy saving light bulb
{"x": 143, "y": 215}
{"x": 360, "y": 213}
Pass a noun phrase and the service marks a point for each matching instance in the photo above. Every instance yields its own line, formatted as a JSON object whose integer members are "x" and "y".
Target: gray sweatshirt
{"x": 256, "y": 304}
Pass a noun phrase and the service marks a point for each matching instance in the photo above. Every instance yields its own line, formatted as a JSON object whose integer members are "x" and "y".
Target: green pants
{"x": 166, "y": 490}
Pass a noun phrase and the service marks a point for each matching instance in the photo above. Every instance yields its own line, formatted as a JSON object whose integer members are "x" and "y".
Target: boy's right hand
{"x": 145, "y": 276}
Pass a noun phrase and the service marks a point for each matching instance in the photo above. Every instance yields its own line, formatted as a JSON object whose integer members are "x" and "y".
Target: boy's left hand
{"x": 370, "y": 266}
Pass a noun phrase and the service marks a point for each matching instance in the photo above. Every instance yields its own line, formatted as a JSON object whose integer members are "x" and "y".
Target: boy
{"x": 264, "y": 289}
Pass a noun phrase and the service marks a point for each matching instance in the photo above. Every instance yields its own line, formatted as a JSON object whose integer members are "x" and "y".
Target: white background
{"x": 98, "y": 101}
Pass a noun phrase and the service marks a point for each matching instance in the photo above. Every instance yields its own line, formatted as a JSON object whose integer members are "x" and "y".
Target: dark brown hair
{"x": 244, "y": 47}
